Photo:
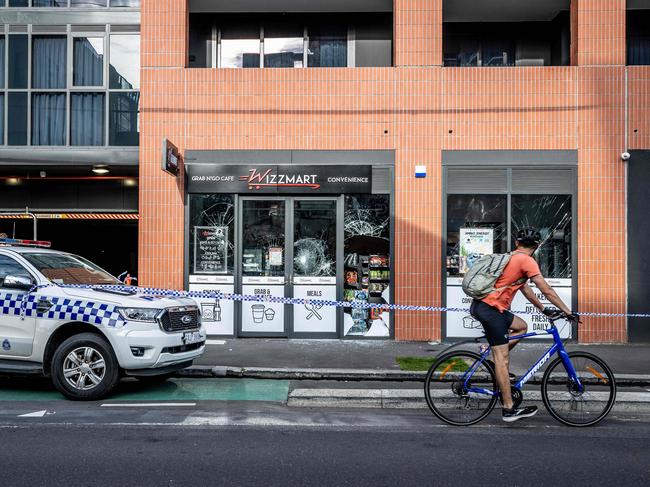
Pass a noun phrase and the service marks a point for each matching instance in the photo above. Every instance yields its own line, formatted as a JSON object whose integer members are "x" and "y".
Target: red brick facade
{"x": 418, "y": 109}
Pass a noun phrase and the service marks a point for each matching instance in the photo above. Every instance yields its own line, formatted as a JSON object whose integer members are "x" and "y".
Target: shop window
{"x": 551, "y": 215}
{"x": 212, "y": 232}
{"x": 263, "y": 238}
{"x": 482, "y": 224}
{"x": 367, "y": 274}
{"x": 465, "y": 215}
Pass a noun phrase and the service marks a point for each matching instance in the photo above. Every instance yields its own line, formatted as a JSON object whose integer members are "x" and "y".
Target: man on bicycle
{"x": 493, "y": 312}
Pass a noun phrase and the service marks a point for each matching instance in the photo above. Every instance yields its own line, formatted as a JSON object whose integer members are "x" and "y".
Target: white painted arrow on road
{"x": 35, "y": 414}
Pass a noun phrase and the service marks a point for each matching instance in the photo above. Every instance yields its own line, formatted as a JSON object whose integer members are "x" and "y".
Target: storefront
{"x": 489, "y": 195}
{"x": 276, "y": 225}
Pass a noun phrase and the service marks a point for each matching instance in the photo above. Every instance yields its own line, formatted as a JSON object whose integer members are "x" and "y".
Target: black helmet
{"x": 529, "y": 237}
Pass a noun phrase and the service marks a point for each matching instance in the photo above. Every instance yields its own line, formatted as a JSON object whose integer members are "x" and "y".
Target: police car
{"x": 66, "y": 318}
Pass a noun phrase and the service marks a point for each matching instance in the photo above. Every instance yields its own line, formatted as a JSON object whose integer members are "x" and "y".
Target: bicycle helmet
{"x": 529, "y": 237}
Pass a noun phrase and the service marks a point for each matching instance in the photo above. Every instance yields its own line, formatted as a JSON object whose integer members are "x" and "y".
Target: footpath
{"x": 375, "y": 373}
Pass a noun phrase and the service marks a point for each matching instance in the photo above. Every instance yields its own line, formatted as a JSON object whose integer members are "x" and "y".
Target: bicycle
{"x": 460, "y": 387}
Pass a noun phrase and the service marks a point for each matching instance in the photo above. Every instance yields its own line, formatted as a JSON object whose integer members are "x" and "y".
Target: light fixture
{"x": 100, "y": 169}
{"x": 130, "y": 182}
{"x": 43, "y": 174}
{"x": 13, "y": 181}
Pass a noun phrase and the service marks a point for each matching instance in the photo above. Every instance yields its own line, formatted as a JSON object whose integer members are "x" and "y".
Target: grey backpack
{"x": 480, "y": 278}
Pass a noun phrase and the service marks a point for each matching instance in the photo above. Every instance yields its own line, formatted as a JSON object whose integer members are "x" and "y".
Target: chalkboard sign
{"x": 211, "y": 250}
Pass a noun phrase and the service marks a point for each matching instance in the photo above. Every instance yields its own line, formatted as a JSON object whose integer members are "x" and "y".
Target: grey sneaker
{"x": 510, "y": 415}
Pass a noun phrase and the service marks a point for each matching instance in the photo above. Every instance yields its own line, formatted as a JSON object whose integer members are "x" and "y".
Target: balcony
{"x": 290, "y": 34}
{"x": 487, "y": 33}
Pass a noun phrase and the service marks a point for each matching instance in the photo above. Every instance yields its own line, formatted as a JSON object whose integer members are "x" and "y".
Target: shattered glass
{"x": 314, "y": 252}
{"x": 474, "y": 211}
{"x": 551, "y": 216}
{"x": 207, "y": 210}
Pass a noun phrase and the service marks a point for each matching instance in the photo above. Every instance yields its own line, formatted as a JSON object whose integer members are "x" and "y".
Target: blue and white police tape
{"x": 218, "y": 295}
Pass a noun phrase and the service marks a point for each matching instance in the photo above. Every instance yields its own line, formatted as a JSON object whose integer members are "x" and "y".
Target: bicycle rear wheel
{"x": 449, "y": 399}
{"x": 569, "y": 405}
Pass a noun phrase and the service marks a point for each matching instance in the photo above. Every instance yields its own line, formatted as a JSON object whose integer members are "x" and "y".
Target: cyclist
{"x": 493, "y": 312}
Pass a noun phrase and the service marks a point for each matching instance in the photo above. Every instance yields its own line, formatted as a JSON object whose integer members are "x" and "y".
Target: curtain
{"x": 88, "y": 69}
{"x": 48, "y": 119}
{"x": 328, "y": 48}
{"x": 87, "y": 119}
{"x": 2, "y": 62}
{"x": 49, "y": 62}
{"x": 2, "y": 119}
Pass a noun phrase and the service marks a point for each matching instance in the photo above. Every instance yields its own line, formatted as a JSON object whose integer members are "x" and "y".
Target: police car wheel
{"x": 84, "y": 367}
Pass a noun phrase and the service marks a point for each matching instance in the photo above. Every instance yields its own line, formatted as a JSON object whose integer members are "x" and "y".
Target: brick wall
{"x": 418, "y": 109}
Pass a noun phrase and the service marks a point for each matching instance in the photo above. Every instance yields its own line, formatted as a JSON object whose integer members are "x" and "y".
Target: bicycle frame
{"x": 557, "y": 347}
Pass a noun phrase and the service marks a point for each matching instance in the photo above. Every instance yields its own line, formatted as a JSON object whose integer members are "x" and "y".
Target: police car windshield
{"x": 68, "y": 269}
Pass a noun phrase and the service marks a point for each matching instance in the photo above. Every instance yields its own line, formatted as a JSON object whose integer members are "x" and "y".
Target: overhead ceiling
{"x": 502, "y": 10}
{"x": 243, "y": 6}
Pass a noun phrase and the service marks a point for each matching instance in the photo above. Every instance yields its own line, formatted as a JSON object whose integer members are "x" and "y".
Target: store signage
{"x": 210, "y": 250}
{"x": 278, "y": 179}
{"x": 171, "y": 158}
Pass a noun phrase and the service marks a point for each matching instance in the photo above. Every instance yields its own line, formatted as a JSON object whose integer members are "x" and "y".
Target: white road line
{"x": 35, "y": 414}
{"x": 215, "y": 342}
{"x": 147, "y": 404}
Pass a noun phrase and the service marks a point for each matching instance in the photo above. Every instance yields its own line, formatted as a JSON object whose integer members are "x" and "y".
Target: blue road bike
{"x": 577, "y": 388}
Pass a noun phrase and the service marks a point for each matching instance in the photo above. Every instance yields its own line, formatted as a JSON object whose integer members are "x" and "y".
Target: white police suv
{"x": 61, "y": 317}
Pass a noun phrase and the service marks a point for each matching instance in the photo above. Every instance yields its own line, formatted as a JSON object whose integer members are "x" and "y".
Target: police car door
{"x": 16, "y": 334}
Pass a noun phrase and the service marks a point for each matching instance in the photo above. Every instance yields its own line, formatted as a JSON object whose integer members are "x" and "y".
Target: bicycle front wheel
{"x": 454, "y": 399}
{"x": 574, "y": 407}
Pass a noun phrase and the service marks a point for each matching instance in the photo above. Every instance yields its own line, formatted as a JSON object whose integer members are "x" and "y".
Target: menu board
{"x": 210, "y": 250}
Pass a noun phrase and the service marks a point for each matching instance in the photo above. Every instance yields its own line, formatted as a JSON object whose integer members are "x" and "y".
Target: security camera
{"x": 625, "y": 156}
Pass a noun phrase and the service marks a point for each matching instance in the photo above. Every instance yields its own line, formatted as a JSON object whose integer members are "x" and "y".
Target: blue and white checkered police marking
{"x": 62, "y": 309}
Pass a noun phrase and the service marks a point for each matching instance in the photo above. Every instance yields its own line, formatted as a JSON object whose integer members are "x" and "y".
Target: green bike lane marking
{"x": 170, "y": 390}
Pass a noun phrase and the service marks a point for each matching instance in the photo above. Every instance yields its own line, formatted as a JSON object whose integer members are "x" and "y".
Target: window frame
{"x": 69, "y": 89}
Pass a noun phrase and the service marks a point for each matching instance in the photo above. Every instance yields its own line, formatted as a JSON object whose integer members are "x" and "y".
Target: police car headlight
{"x": 148, "y": 315}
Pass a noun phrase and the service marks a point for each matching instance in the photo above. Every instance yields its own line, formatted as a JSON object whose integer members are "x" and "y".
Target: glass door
{"x": 263, "y": 264}
{"x": 313, "y": 276}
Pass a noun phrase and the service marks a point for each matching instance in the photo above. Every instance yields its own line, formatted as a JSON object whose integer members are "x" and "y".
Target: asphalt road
{"x": 243, "y": 443}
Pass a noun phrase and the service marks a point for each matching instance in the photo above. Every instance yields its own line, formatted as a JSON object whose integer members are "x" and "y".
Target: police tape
{"x": 354, "y": 304}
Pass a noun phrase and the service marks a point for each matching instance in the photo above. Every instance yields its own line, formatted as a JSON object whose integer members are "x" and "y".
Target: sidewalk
{"x": 375, "y": 360}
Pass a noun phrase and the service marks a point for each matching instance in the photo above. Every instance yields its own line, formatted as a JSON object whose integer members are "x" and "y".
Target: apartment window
{"x": 87, "y": 119}
{"x": 88, "y": 64}
{"x": 48, "y": 118}
{"x": 638, "y": 37}
{"x": 78, "y": 89}
{"x": 240, "y": 46}
{"x": 17, "y": 116}
{"x": 125, "y": 3}
{"x": 290, "y": 40}
{"x": 18, "y": 55}
{"x": 124, "y": 71}
{"x": 49, "y": 61}
{"x": 284, "y": 45}
{"x": 88, "y": 3}
{"x": 328, "y": 45}
{"x": 502, "y": 33}
{"x": 49, "y": 3}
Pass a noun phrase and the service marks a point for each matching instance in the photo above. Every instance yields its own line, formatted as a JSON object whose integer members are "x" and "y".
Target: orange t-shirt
{"x": 520, "y": 266}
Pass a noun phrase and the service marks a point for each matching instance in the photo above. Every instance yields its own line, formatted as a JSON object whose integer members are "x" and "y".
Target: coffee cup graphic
{"x": 258, "y": 313}
{"x": 269, "y": 314}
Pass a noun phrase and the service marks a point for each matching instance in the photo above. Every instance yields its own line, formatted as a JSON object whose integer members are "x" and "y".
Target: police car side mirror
{"x": 17, "y": 282}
